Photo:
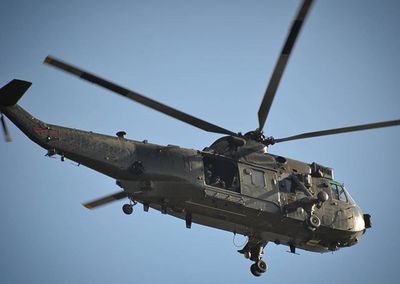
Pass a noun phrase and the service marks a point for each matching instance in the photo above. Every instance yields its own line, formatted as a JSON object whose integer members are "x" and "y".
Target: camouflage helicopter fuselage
{"x": 236, "y": 187}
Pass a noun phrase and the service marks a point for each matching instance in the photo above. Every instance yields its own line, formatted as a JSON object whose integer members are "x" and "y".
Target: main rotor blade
{"x": 194, "y": 121}
{"x": 105, "y": 200}
{"x": 339, "y": 130}
{"x": 281, "y": 63}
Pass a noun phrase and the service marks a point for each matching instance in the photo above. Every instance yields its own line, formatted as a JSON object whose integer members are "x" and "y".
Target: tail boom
{"x": 107, "y": 154}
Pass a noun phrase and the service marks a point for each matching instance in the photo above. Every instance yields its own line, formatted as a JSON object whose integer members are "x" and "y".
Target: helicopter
{"x": 234, "y": 184}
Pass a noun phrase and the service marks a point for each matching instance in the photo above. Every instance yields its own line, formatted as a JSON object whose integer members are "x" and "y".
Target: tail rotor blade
{"x": 7, "y": 135}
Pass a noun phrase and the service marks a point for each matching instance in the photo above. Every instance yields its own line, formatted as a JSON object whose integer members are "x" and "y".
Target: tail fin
{"x": 13, "y": 91}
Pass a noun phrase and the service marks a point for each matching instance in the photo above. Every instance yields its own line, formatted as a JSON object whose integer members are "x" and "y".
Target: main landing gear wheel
{"x": 254, "y": 251}
{"x": 258, "y": 268}
{"x": 128, "y": 209}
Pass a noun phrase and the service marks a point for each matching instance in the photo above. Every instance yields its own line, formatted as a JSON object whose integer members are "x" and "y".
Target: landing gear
{"x": 128, "y": 208}
{"x": 254, "y": 250}
{"x": 258, "y": 268}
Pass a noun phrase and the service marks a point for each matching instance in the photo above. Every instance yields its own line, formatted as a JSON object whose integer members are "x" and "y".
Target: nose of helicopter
{"x": 358, "y": 220}
{"x": 361, "y": 222}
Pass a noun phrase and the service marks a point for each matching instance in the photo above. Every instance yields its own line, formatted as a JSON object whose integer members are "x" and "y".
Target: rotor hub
{"x": 256, "y": 135}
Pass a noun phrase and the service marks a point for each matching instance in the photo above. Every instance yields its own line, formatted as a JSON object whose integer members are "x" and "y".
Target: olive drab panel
{"x": 258, "y": 184}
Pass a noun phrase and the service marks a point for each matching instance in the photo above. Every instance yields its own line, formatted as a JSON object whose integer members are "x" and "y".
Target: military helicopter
{"x": 235, "y": 184}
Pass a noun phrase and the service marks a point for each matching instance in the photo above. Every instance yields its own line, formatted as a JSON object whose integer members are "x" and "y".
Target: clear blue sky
{"x": 211, "y": 59}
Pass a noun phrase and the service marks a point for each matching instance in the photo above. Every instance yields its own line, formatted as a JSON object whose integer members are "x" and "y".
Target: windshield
{"x": 339, "y": 192}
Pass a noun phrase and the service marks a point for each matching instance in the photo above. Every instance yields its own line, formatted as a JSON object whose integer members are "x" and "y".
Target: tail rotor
{"x": 6, "y": 132}
{"x": 9, "y": 96}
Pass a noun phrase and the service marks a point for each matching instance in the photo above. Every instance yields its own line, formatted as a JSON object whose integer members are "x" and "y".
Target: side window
{"x": 342, "y": 194}
{"x": 221, "y": 173}
{"x": 334, "y": 191}
{"x": 257, "y": 178}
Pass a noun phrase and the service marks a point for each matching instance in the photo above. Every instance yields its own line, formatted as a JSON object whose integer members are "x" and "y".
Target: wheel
{"x": 254, "y": 270}
{"x": 261, "y": 266}
{"x": 128, "y": 209}
{"x": 314, "y": 222}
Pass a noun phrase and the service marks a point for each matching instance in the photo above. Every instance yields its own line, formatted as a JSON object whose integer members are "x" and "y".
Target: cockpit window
{"x": 338, "y": 192}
